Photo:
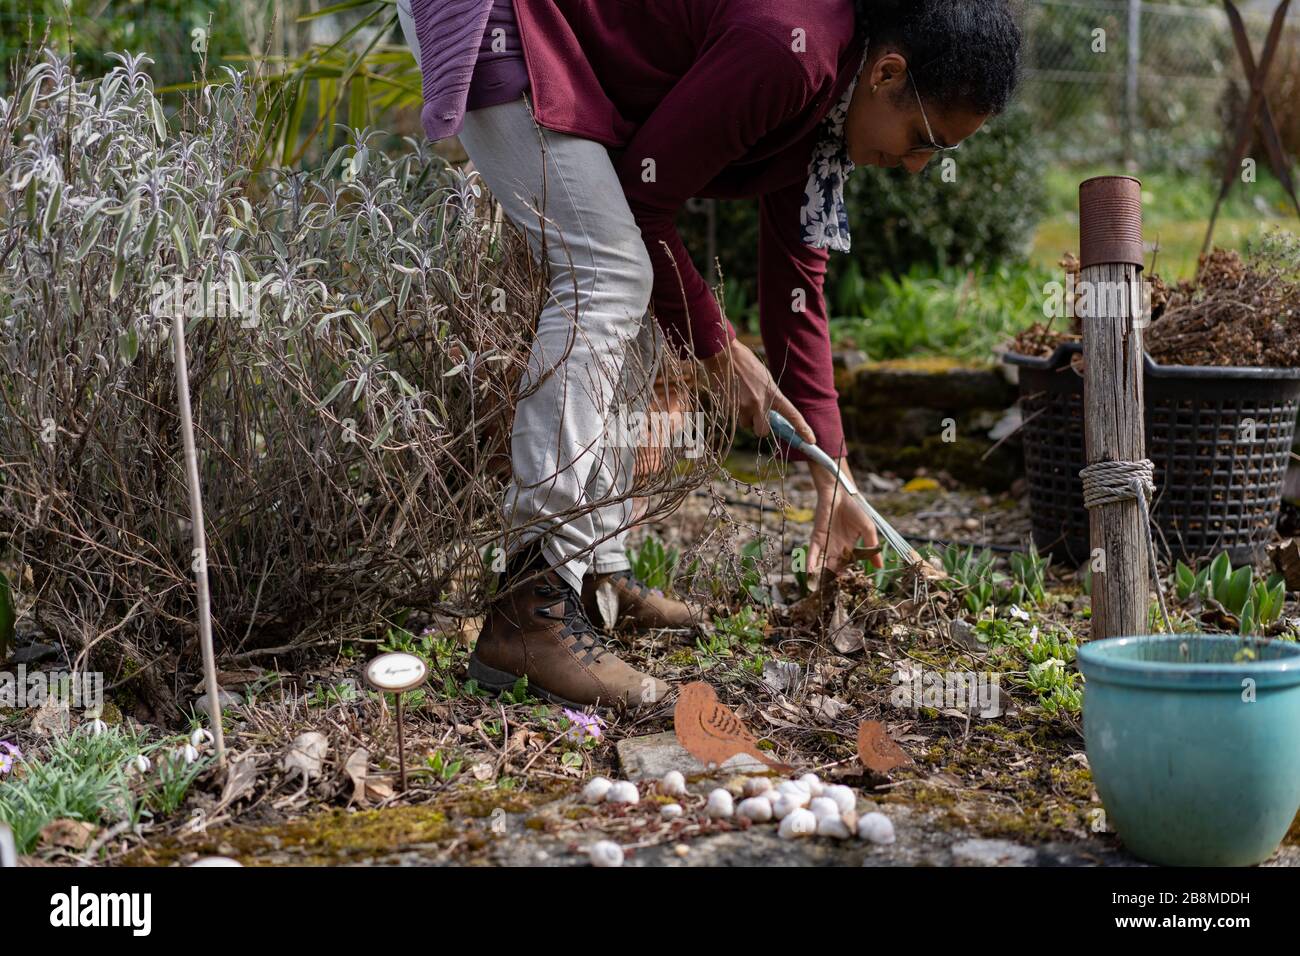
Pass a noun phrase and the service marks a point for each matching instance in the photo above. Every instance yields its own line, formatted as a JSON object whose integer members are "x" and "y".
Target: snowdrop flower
{"x": 755, "y": 809}
{"x": 596, "y": 790}
{"x": 670, "y": 811}
{"x": 720, "y": 806}
{"x": 189, "y": 753}
{"x": 876, "y": 828}
{"x": 202, "y": 737}
{"x": 140, "y": 764}
{"x": 605, "y": 853}
{"x": 95, "y": 727}
{"x": 624, "y": 791}
{"x": 673, "y": 784}
{"x": 800, "y": 823}
{"x": 1018, "y": 613}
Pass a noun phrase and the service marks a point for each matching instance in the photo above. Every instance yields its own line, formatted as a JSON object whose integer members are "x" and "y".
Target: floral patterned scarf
{"x": 824, "y": 217}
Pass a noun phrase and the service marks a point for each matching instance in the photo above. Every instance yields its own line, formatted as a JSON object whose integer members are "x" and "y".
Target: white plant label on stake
{"x": 396, "y": 672}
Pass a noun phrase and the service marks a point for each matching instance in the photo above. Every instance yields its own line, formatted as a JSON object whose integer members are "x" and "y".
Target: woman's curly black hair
{"x": 964, "y": 53}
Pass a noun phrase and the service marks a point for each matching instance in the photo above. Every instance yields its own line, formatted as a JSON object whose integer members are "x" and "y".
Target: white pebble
{"x": 681, "y": 849}
{"x": 596, "y": 790}
{"x": 720, "y": 806}
{"x": 784, "y": 805}
{"x": 833, "y": 827}
{"x": 624, "y": 791}
{"x": 877, "y": 828}
{"x": 800, "y": 823}
{"x": 605, "y": 853}
{"x": 824, "y": 807}
{"x": 673, "y": 784}
{"x": 757, "y": 786}
{"x": 757, "y": 809}
{"x": 813, "y": 783}
{"x": 843, "y": 796}
{"x": 796, "y": 791}
{"x": 670, "y": 811}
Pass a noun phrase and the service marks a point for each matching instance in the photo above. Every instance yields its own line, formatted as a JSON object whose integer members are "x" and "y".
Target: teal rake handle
{"x": 783, "y": 430}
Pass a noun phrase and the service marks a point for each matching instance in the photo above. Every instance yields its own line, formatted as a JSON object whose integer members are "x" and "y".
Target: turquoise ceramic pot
{"x": 1196, "y": 758}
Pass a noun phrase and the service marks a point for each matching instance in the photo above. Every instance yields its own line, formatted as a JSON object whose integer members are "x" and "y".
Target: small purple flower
{"x": 8, "y": 754}
{"x": 583, "y": 725}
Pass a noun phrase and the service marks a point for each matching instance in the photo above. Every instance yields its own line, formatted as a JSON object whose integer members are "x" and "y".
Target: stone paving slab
{"x": 652, "y": 756}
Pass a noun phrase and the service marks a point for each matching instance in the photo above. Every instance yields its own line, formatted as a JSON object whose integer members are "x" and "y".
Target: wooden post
{"x": 1110, "y": 228}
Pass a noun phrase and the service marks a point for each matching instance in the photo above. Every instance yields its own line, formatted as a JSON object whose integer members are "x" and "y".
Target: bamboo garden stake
{"x": 200, "y": 562}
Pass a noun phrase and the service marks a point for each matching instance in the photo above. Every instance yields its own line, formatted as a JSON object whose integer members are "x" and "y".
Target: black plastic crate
{"x": 1220, "y": 439}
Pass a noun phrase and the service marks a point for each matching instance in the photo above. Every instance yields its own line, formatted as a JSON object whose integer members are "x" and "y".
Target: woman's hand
{"x": 838, "y": 523}
{"x": 754, "y": 390}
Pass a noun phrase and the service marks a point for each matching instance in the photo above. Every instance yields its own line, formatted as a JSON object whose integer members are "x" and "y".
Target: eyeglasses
{"x": 932, "y": 146}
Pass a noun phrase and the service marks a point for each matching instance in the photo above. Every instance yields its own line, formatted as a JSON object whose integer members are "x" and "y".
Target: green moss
{"x": 320, "y": 839}
{"x": 340, "y": 836}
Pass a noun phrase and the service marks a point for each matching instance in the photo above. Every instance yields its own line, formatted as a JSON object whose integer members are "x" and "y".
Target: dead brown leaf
{"x": 365, "y": 788}
{"x": 241, "y": 777}
{"x": 72, "y": 834}
{"x": 877, "y": 750}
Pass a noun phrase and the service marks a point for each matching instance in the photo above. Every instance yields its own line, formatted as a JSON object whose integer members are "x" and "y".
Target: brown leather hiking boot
{"x": 639, "y": 606}
{"x": 538, "y": 630}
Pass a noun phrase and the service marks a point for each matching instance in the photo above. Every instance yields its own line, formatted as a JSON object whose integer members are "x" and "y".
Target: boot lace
{"x": 580, "y": 636}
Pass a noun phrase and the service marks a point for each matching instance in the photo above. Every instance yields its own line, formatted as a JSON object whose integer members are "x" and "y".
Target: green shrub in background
{"x": 986, "y": 217}
{"x": 958, "y": 313}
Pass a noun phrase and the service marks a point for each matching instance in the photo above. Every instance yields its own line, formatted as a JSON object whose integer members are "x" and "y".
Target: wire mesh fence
{"x": 1153, "y": 82}
{"x": 1108, "y": 80}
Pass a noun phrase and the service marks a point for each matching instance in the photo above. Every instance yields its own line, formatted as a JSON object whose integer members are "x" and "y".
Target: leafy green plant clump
{"x": 99, "y": 776}
{"x": 1047, "y": 655}
{"x": 973, "y": 574}
{"x": 1256, "y": 604}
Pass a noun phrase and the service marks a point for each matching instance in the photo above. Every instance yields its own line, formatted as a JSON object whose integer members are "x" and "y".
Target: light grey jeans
{"x": 596, "y": 351}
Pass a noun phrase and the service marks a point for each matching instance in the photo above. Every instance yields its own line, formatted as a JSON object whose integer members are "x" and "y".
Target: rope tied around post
{"x": 1114, "y": 482}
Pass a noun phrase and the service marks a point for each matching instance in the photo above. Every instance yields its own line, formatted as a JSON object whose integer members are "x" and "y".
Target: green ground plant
{"x": 654, "y": 563}
{"x": 974, "y": 574}
{"x": 1256, "y": 603}
{"x": 1043, "y": 659}
{"x": 90, "y": 777}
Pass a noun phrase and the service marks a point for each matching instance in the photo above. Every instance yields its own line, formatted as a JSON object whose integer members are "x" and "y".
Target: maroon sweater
{"x": 712, "y": 98}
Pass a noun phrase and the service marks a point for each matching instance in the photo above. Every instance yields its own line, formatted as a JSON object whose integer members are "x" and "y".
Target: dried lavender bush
{"x": 352, "y": 424}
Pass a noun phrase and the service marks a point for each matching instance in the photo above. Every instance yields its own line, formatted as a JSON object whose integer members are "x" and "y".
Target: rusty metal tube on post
{"x": 1111, "y": 254}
